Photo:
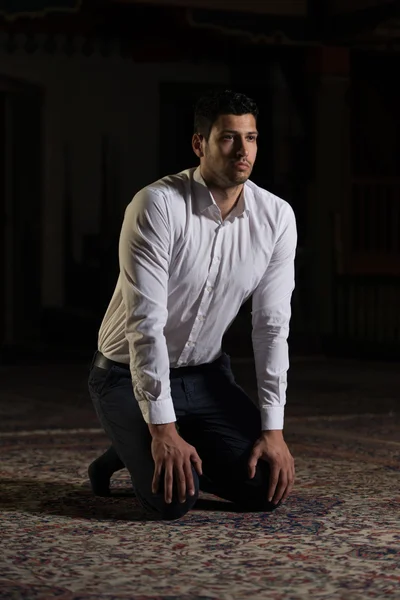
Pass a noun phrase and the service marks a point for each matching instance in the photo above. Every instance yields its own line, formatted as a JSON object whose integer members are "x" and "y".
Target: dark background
{"x": 96, "y": 101}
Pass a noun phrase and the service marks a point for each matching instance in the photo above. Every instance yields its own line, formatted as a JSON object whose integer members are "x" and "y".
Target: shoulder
{"x": 169, "y": 186}
{"x": 273, "y": 218}
{"x": 160, "y": 195}
{"x": 266, "y": 206}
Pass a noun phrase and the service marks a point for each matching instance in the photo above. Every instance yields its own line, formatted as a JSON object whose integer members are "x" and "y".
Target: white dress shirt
{"x": 185, "y": 272}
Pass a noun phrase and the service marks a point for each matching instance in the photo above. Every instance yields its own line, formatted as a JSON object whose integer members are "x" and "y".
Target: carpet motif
{"x": 338, "y": 536}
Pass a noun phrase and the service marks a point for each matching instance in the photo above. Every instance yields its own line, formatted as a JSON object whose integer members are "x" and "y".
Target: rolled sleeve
{"x": 271, "y": 311}
{"x": 144, "y": 255}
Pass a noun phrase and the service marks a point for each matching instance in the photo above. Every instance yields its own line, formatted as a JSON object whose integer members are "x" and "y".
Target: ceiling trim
{"x": 39, "y": 8}
{"x": 291, "y": 8}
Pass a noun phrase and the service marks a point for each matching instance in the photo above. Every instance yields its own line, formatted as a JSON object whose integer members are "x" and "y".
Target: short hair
{"x": 214, "y": 103}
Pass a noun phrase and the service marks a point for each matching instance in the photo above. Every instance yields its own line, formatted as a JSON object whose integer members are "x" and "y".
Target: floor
{"x": 337, "y": 536}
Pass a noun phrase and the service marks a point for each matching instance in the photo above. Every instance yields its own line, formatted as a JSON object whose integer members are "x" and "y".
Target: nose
{"x": 241, "y": 149}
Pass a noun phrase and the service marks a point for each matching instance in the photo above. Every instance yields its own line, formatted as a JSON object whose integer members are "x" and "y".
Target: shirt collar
{"x": 205, "y": 199}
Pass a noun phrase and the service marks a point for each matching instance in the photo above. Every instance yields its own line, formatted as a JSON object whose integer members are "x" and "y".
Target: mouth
{"x": 241, "y": 166}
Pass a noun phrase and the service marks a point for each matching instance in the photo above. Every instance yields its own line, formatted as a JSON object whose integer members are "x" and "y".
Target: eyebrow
{"x": 235, "y": 131}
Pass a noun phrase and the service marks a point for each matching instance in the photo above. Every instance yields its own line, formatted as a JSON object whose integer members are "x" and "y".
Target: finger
{"x": 180, "y": 479}
{"x": 168, "y": 482}
{"x": 252, "y": 464}
{"x": 288, "y": 488}
{"x": 187, "y": 467}
{"x": 197, "y": 463}
{"x": 273, "y": 482}
{"x": 156, "y": 479}
{"x": 281, "y": 487}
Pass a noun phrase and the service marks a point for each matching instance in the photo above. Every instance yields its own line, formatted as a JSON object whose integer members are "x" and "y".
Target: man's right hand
{"x": 175, "y": 456}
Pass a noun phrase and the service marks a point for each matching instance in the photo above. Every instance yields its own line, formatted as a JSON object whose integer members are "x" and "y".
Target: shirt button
{"x": 190, "y": 344}
{"x": 200, "y": 318}
{"x": 210, "y": 288}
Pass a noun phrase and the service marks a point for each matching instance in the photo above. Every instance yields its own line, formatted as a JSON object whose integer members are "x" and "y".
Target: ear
{"x": 198, "y": 145}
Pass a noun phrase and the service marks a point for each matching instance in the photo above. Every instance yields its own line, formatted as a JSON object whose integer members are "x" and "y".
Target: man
{"x": 193, "y": 247}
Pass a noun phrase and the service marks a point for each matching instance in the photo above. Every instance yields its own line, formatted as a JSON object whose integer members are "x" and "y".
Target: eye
{"x": 251, "y": 138}
{"x": 228, "y": 137}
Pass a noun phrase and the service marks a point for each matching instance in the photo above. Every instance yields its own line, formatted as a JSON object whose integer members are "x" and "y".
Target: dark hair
{"x": 213, "y": 104}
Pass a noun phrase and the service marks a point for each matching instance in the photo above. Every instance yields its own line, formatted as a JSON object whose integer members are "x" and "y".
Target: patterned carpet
{"x": 338, "y": 536}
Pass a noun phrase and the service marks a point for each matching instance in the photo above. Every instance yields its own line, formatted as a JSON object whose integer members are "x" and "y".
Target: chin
{"x": 242, "y": 178}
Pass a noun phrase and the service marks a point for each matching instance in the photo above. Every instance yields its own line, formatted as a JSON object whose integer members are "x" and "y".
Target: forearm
{"x": 272, "y": 363}
{"x": 149, "y": 363}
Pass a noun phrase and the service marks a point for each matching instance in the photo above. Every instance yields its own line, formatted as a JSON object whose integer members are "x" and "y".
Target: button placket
{"x": 206, "y": 298}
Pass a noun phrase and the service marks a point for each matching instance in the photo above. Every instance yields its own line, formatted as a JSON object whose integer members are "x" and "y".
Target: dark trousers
{"x": 213, "y": 414}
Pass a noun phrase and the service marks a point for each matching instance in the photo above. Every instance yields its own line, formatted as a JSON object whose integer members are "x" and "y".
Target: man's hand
{"x": 272, "y": 448}
{"x": 171, "y": 453}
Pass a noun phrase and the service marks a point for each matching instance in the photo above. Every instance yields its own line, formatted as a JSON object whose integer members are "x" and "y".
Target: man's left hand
{"x": 272, "y": 448}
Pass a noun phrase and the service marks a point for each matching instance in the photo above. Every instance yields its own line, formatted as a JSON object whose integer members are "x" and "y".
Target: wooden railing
{"x": 367, "y": 309}
{"x": 371, "y": 233}
{"x": 367, "y": 250}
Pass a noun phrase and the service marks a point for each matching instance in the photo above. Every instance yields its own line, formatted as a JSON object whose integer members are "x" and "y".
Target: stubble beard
{"x": 228, "y": 178}
{"x": 240, "y": 178}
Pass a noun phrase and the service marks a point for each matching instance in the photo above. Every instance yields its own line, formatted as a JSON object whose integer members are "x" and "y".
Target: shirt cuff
{"x": 272, "y": 417}
{"x": 158, "y": 412}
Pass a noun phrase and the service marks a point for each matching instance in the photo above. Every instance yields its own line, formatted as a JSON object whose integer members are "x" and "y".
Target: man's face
{"x": 230, "y": 152}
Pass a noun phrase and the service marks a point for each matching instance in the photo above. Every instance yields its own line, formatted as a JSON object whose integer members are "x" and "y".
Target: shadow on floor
{"x": 77, "y": 501}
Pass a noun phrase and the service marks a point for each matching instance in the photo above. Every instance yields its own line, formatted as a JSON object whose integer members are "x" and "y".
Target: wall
{"x": 85, "y": 98}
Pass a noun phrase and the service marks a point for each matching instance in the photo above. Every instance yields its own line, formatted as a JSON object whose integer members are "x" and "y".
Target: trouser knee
{"x": 157, "y": 507}
{"x": 253, "y": 496}
{"x": 176, "y": 509}
{"x": 258, "y": 504}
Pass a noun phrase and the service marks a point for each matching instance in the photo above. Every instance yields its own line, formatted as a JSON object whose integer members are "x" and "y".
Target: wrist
{"x": 162, "y": 430}
{"x": 272, "y": 433}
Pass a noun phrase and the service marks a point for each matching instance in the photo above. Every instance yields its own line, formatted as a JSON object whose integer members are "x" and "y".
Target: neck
{"x": 225, "y": 198}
